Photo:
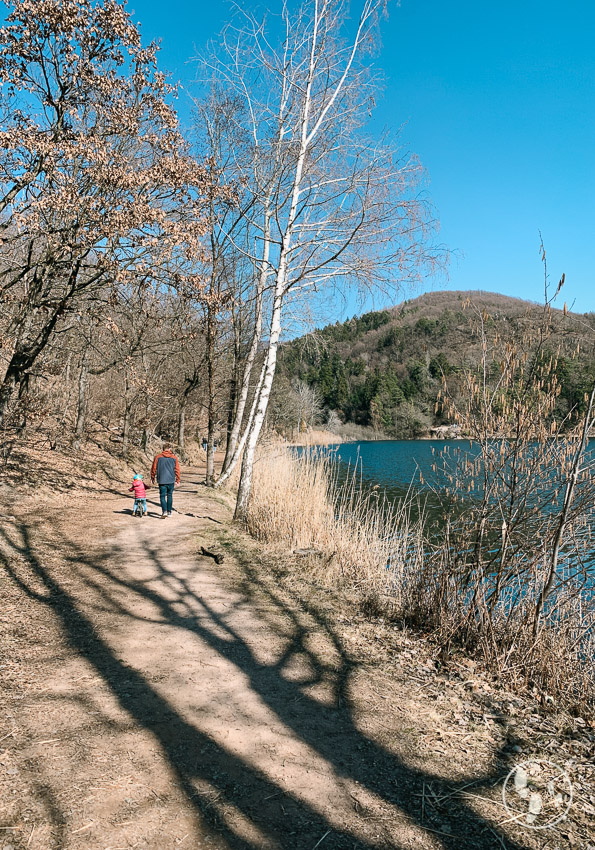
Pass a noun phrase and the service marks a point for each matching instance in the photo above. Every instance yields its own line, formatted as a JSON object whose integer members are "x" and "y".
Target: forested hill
{"x": 384, "y": 369}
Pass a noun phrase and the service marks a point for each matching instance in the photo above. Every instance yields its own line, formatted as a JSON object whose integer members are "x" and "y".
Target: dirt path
{"x": 154, "y": 699}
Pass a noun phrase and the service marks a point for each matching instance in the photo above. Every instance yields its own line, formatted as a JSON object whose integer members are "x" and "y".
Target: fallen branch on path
{"x": 217, "y": 558}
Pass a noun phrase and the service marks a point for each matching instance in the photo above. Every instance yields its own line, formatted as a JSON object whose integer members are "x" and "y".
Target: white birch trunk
{"x": 309, "y": 126}
{"x": 232, "y": 445}
{"x": 245, "y": 485}
{"x": 242, "y": 441}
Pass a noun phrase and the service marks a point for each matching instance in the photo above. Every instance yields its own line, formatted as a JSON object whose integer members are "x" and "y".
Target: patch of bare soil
{"x": 155, "y": 699}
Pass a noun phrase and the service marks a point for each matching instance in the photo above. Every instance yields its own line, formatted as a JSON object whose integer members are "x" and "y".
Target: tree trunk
{"x": 126, "y": 425}
{"x": 245, "y": 485}
{"x": 242, "y": 442}
{"x": 7, "y": 391}
{"x": 66, "y": 393}
{"x": 234, "y": 436}
{"x": 210, "y": 455}
{"x": 15, "y": 379}
{"x": 210, "y": 476}
{"x": 81, "y": 411}
{"x": 182, "y": 421}
{"x": 24, "y": 356}
{"x": 232, "y": 402}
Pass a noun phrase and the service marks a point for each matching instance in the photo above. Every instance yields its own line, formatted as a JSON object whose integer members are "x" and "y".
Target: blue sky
{"x": 498, "y": 101}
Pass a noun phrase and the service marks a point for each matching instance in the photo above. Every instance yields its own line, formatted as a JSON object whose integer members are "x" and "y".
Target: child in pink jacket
{"x": 140, "y": 495}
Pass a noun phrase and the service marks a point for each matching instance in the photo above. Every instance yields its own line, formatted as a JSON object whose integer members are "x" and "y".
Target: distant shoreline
{"x": 327, "y": 438}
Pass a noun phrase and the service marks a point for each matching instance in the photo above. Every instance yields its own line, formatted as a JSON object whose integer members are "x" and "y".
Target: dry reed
{"x": 375, "y": 546}
{"x": 362, "y": 537}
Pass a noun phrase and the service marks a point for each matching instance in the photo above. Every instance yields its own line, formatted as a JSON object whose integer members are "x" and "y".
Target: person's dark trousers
{"x": 166, "y": 493}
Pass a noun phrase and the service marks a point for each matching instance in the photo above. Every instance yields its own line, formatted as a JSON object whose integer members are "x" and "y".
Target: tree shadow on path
{"x": 279, "y": 818}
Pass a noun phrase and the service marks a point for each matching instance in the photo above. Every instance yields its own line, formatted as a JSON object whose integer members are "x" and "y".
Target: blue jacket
{"x": 166, "y": 468}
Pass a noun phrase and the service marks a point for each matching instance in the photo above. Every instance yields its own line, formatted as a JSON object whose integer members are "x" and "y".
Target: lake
{"x": 397, "y": 465}
{"x": 417, "y": 466}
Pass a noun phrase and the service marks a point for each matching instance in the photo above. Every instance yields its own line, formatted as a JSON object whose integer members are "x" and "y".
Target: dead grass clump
{"x": 364, "y": 539}
{"x": 289, "y": 499}
{"x": 315, "y": 437}
{"x": 372, "y": 605}
{"x": 557, "y": 665}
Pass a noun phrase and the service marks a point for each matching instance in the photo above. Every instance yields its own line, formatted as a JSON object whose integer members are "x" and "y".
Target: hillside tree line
{"x": 388, "y": 370}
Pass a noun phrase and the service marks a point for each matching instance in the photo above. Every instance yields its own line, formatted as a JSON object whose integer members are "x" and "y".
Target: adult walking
{"x": 166, "y": 470}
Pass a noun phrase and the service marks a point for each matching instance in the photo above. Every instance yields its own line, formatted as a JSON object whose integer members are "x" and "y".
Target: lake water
{"x": 397, "y": 465}
{"x": 417, "y": 466}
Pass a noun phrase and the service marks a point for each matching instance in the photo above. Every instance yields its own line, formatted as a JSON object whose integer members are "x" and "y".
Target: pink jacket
{"x": 139, "y": 489}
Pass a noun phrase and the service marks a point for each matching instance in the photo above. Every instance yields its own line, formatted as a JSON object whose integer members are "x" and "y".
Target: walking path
{"x": 155, "y": 699}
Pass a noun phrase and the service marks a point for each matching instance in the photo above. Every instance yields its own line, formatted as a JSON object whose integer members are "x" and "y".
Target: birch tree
{"x": 327, "y": 206}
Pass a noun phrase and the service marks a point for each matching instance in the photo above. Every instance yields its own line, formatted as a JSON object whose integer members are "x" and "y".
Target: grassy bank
{"x": 360, "y": 539}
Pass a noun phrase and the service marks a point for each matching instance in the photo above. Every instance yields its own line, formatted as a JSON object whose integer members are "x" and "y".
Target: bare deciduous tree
{"x": 324, "y": 204}
{"x": 93, "y": 170}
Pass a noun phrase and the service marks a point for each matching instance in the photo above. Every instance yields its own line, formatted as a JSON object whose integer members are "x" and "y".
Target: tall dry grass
{"x": 362, "y": 537}
{"x": 376, "y": 547}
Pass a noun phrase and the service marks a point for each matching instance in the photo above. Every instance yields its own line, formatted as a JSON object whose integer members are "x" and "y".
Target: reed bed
{"x": 557, "y": 664}
{"x": 360, "y": 539}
